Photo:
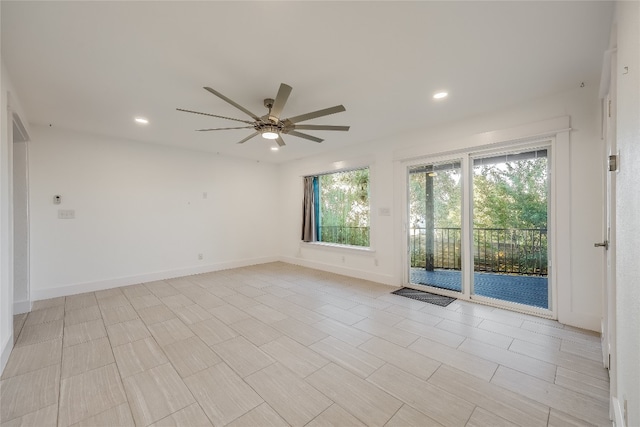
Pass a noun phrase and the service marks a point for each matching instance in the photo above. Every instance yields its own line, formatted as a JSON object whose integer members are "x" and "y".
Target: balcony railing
{"x": 496, "y": 250}
{"x": 355, "y": 236}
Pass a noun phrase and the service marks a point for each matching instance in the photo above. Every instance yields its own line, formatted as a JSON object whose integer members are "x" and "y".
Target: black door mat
{"x": 440, "y": 300}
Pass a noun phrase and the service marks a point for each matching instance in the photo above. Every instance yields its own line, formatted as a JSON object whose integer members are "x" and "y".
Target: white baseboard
{"x": 618, "y": 413}
{"x": 6, "y": 351}
{"x": 345, "y": 271}
{"x": 100, "y": 285}
{"x": 20, "y": 307}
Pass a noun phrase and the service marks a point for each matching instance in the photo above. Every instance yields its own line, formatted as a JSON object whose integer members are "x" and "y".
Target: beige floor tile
{"x": 156, "y": 393}
{"x": 403, "y": 358}
{"x": 229, "y": 314}
{"x": 161, "y": 289}
{"x": 33, "y": 357}
{"x": 249, "y": 291}
{"x": 207, "y": 301}
{"x": 190, "y": 356}
{"x": 39, "y": 333}
{"x": 498, "y": 400}
{"x": 242, "y": 356}
{"x": 263, "y": 416}
{"x": 89, "y": 394}
{"x": 295, "y": 400}
{"x": 339, "y": 314}
{"x": 349, "y": 357}
{"x": 433, "y": 401}
{"x": 265, "y": 313}
{"x": 83, "y": 332}
{"x": 561, "y": 358}
{"x": 45, "y": 417}
{"x": 343, "y": 332}
{"x": 301, "y": 314}
{"x": 192, "y": 314}
{"x": 106, "y": 293}
{"x": 84, "y": 357}
{"x": 129, "y": 331}
{"x": 294, "y": 356}
{"x": 119, "y": 416}
{"x": 212, "y": 331}
{"x": 75, "y": 302}
{"x": 18, "y": 323}
{"x": 582, "y": 383}
{"x": 409, "y": 417}
{"x": 468, "y": 363}
{"x": 240, "y": 301}
{"x": 228, "y": 399}
{"x": 477, "y": 334}
{"x": 176, "y": 301}
{"x": 81, "y": 315}
{"x": 334, "y": 415}
{"x": 138, "y": 356}
{"x": 585, "y": 350}
{"x": 30, "y": 392}
{"x": 560, "y": 419}
{"x": 144, "y": 301}
{"x": 522, "y": 334}
{"x": 559, "y": 331}
{"x": 389, "y": 333}
{"x": 255, "y": 331}
{"x": 483, "y": 418}
{"x": 156, "y": 314}
{"x": 113, "y": 315}
{"x": 113, "y": 301}
{"x": 378, "y": 314}
{"x": 431, "y": 332}
{"x": 362, "y": 399}
{"x": 170, "y": 331}
{"x": 557, "y": 397}
{"x": 521, "y": 362}
{"x": 192, "y": 415}
{"x": 299, "y": 331}
{"x": 46, "y": 303}
{"x": 135, "y": 291}
{"x": 446, "y": 313}
{"x": 45, "y": 315}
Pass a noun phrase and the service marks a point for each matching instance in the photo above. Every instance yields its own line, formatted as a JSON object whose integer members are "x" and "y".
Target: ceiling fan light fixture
{"x": 269, "y": 134}
{"x": 440, "y": 95}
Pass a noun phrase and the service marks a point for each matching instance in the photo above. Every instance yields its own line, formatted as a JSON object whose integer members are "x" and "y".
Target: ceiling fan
{"x": 271, "y": 126}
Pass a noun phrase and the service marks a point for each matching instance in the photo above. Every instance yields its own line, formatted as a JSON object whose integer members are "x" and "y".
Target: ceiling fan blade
{"x": 238, "y": 106}
{"x": 316, "y": 114}
{"x": 248, "y": 138}
{"x": 206, "y": 130}
{"x": 321, "y": 127}
{"x": 304, "y": 135}
{"x": 280, "y": 141}
{"x": 213, "y": 115}
{"x": 281, "y": 99}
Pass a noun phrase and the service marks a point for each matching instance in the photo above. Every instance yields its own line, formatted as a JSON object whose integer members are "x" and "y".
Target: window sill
{"x": 335, "y": 246}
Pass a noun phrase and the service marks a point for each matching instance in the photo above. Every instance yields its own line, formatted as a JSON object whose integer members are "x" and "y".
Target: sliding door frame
{"x": 466, "y": 156}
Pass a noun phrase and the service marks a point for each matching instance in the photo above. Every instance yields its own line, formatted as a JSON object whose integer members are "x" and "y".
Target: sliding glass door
{"x": 477, "y": 226}
{"x": 435, "y": 231}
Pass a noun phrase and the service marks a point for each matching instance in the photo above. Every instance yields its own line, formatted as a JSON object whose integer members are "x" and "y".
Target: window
{"x": 336, "y": 208}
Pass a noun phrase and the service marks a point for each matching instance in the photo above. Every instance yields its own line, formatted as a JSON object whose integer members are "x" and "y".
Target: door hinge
{"x": 613, "y": 163}
{"x": 609, "y": 112}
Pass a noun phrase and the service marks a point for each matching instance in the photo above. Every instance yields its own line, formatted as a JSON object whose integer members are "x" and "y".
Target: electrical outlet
{"x": 66, "y": 214}
{"x": 200, "y": 257}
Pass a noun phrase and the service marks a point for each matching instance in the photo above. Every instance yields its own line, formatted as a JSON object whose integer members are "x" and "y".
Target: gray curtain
{"x": 308, "y": 212}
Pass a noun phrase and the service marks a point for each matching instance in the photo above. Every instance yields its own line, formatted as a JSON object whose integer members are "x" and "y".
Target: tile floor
{"x": 279, "y": 345}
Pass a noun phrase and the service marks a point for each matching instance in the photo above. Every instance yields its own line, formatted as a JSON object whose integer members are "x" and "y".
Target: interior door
{"x": 609, "y": 243}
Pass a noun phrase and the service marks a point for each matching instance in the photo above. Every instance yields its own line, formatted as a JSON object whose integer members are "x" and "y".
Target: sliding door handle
{"x": 604, "y": 244}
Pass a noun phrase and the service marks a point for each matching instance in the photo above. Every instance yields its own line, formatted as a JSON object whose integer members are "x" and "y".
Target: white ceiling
{"x": 93, "y": 66}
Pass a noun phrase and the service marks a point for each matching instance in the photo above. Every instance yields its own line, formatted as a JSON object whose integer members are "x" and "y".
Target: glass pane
{"x": 343, "y": 216}
{"x": 435, "y": 198}
{"x": 510, "y": 204}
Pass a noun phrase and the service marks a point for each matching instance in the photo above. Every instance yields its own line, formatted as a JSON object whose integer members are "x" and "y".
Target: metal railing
{"x": 520, "y": 251}
{"x": 355, "y": 236}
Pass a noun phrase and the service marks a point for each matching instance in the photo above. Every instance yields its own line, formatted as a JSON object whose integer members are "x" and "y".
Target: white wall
{"x": 627, "y": 208}
{"x": 140, "y": 214}
{"x": 581, "y": 305}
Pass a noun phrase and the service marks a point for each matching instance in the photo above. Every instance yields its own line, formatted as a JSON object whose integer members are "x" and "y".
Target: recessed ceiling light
{"x": 142, "y": 120}
{"x": 440, "y": 95}
{"x": 274, "y": 148}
